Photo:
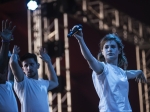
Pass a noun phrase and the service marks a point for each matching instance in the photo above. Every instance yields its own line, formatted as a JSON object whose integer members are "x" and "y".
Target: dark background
{"x": 84, "y": 97}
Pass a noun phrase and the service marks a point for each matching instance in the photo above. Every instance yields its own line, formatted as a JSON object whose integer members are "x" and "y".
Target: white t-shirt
{"x": 8, "y": 101}
{"x": 112, "y": 88}
{"x": 32, "y": 94}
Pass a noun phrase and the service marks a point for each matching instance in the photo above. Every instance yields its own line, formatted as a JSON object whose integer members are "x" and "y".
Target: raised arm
{"x": 14, "y": 65}
{"x": 10, "y": 76}
{"x": 92, "y": 61}
{"x": 6, "y": 36}
{"x": 51, "y": 72}
{"x": 138, "y": 74}
{"x": 3, "y": 55}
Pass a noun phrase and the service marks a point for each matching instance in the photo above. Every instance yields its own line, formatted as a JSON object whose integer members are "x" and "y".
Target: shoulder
{"x": 43, "y": 81}
{"x": 104, "y": 71}
{"x": 9, "y": 83}
{"x": 24, "y": 79}
{"x": 122, "y": 70}
{"x": 6, "y": 86}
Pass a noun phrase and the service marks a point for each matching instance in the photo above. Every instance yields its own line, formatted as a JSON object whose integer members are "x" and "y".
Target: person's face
{"x": 30, "y": 68}
{"x": 110, "y": 51}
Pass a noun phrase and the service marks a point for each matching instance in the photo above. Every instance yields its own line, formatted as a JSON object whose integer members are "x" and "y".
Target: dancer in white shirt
{"x": 110, "y": 75}
{"x": 7, "y": 98}
{"x": 32, "y": 91}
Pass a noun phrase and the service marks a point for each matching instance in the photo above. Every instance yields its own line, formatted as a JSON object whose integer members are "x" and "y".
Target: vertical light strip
{"x": 139, "y": 84}
{"x": 50, "y": 101}
{"x": 40, "y": 39}
{"x": 46, "y": 32}
{"x": 140, "y": 30}
{"x": 58, "y": 66}
{"x": 36, "y": 33}
{"x": 29, "y": 32}
{"x": 101, "y": 15}
{"x": 59, "y": 102}
{"x": 84, "y": 8}
{"x": 50, "y": 96}
{"x": 67, "y": 64}
{"x": 129, "y": 24}
{"x": 37, "y": 37}
{"x": 101, "y": 12}
{"x": 117, "y": 18}
{"x": 56, "y": 27}
{"x": 145, "y": 86}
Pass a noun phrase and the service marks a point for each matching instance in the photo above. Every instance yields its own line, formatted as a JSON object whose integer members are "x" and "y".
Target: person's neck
{"x": 35, "y": 77}
{"x": 114, "y": 62}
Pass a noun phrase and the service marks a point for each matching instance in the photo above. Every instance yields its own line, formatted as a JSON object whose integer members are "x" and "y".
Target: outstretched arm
{"x": 51, "y": 72}
{"x": 138, "y": 74}
{"x": 6, "y": 36}
{"x": 92, "y": 61}
{"x": 14, "y": 65}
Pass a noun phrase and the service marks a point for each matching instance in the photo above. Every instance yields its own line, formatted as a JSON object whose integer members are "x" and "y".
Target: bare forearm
{"x": 93, "y": 63}
{"x": 16, "y": 69}
{"x": 131, "y": 74}
{"x": 84, "y": 50}
{"x": 4, "y": 56}
{"x": 52, "y": 74}
{"x": 10, "y": 76}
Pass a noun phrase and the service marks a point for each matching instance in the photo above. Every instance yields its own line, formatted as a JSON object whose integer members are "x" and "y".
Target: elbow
{"x": 56, "y": 84}
{"x": 139, "y": 72}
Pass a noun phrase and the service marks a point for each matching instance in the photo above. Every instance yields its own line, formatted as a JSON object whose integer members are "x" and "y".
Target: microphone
{"x": 74, "y": 31}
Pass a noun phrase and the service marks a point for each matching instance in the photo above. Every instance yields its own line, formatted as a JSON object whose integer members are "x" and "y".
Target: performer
{"x": 110, "y": 75}
{"x": 7, "y": 98}
{"x": 32, "y": 91}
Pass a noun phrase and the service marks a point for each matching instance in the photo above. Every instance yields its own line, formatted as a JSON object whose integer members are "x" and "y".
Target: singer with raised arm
{"x": 110, "y": 75}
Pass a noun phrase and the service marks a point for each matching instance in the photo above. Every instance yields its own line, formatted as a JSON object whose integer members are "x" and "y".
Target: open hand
{"x": 141, "y": 78}
{"x": 7, "y": 31}
{"x": 16, "y": 49}
{"x": 43, "y": 55}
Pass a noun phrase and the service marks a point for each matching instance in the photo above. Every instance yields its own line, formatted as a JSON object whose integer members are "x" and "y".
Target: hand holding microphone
{"x": 74, "y": 30}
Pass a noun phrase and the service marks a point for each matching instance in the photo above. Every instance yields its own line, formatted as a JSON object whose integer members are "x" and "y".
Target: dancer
{"x": 110, "y": 75}
{"x": 8, "y": 101}
{"x": 32, "y": 91}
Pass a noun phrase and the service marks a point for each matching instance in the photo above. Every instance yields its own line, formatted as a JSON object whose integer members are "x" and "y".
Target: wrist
{"x": 80, "y": 40}
{"x": 17, "y": 56}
